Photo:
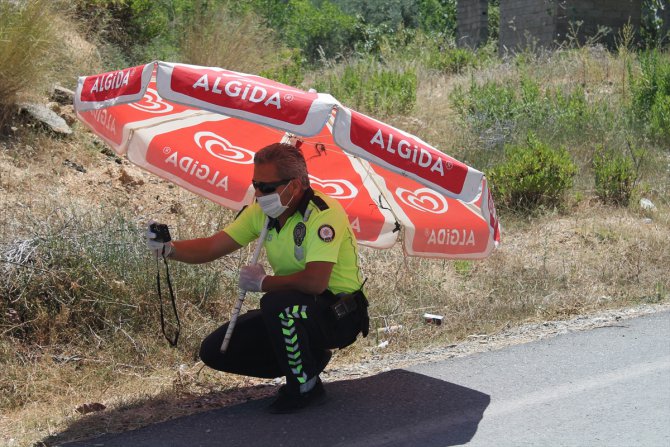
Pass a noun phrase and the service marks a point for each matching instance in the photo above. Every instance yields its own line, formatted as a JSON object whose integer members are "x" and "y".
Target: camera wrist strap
{"x": 173, "y": 342}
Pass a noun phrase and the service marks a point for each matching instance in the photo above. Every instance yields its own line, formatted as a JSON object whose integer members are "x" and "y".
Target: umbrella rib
{"x": 368, "y": 170}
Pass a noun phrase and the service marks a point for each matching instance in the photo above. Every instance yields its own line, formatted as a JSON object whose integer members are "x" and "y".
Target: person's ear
{"x": 295, "y": 186}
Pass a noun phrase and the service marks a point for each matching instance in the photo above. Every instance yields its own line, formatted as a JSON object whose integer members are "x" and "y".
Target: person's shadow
{"x": 396, "y": 408}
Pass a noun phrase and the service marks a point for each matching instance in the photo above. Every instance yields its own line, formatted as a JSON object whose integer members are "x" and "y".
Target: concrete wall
{"x": 528, "y": 23}
{"x": 545, "y": 23}
{"x": 473, "y": 23}
{"x": 665, "y": 15}
{"x": 613, "y": 14}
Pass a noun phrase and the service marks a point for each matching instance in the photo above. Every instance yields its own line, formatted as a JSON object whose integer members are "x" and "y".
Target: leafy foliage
{"x": 654, "y": 32}
{"x": 651, "y": 93}
{"x": 615, "y": 176}
{"x": 534, "y": 175}
{"x": 452, "y": 60}
{"x": 320, "y": 30}
{"x": 501, "y": 110}
{"x": 370, "y": 87}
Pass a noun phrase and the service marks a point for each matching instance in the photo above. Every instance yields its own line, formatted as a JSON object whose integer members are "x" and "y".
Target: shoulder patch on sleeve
{"x": 326, "y": 233}
{"x": 320, "y": 203}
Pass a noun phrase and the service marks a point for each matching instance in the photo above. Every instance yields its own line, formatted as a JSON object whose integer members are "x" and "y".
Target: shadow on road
{"x": 396, "y": 408}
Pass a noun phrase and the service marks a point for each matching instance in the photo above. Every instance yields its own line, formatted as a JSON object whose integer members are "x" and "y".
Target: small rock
{"x": 54, "y": 107}
{"x": 13, "y": 316}
{"x": 176, "y": 208}
{"x": 389, "y": 329}
{"x": 68, "y": 114}
{"x": 647, "y": 204}
{"x": 62, "y": 95}
{"x": 128, "y": 181}
{"x": 647, "y": 221}
{"x": 107, "y": 151}
{"x": 74, "y": 165}
{"x": 89, "y": 408}
{"x": 47, "y": 117}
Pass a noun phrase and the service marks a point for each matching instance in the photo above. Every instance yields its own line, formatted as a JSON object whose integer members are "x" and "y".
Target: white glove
{"x": 251, "y": 278}
{"x": 157, "y": 247}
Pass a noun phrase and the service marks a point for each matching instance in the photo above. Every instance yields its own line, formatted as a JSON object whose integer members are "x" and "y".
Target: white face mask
{"x": 271, "y": 204}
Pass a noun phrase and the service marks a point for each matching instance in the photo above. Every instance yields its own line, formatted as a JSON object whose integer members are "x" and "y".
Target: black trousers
{"x": 287, "y": 336}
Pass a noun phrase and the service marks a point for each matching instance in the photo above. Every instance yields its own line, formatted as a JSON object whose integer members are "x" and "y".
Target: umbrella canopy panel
{"x": 200, "y": 127}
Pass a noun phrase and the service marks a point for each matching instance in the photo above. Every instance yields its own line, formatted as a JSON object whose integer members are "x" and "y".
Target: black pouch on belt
{"x": 349, "y": 303}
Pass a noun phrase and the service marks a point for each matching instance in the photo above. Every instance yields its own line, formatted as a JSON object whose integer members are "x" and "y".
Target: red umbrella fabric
{"x": 199, "y": 127}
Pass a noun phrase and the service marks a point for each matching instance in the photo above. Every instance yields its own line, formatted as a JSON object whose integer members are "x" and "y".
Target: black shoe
{"x": 288, "y": 402}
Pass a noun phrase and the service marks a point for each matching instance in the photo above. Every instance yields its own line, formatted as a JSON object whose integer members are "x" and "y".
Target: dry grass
{"x": 554, "y": 267}
{"x": 551, "y": 266}
{"x": 222, "y": 39}
{"x": 38, "y": 47}
{"x": 557, "y": 266}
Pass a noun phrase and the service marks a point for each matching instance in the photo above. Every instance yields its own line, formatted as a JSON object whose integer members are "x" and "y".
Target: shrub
{"x": 659, "y": 119}
{"x": 288, "y": 68}
{"x": 533, "y": 175}
{"x": 452, "y": 60}
{"x": 438, "y": 16}
{"x": 498, "y": 111}
{"x": 27, "y": 45}
{"x": 651, "y": 94}
{"x": 485, "y": 104}
{"x": 319, "y": 29}
{"x": 615, "y": 176}
{"x": 372, "y": 88}
{"x": 79, "y": 274}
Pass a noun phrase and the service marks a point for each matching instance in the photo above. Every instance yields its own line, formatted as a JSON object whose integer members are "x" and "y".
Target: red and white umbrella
{"x": 199, "y": 128}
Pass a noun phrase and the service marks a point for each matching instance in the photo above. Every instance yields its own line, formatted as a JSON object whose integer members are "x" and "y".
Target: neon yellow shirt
{"x": 318, "y": 231}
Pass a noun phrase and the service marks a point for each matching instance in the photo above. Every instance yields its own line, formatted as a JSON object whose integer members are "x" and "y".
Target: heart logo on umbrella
{"x": 221, "y": 148}
{"x": 423, "y": 199}
{"x": 338, "y": 189}
{"x": 152, "y": 103}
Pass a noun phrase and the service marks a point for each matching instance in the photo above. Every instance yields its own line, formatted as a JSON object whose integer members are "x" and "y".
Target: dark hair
{"x": 287, "y": 158}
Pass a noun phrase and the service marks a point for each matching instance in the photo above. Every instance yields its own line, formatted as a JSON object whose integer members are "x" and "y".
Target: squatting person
{"x": 314, "y": 300}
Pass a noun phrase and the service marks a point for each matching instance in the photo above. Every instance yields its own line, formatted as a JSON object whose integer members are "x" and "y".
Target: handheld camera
{"x": 161, "y": 231}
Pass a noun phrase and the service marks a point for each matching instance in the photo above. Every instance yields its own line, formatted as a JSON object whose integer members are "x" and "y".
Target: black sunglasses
{"x": 269, "y": 187}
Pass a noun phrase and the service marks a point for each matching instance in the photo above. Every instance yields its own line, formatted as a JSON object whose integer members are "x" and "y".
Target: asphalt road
{"x": 605, "y": 387}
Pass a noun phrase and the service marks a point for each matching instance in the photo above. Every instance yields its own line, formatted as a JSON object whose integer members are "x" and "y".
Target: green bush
{"x": 137, "y": 31}
{"x": 659, "y": 119}
{"x": 371, "y": 88}
{"x": 430, "y": 16}
{"x": 489, "y": 109}
{"x": 500, "y": 111}
{"x": 615, "y": 176}
{"x": 452, "y": 60}
{"x": 321, "y": 30}
{"x": 651, "y": 94}
{"x": 393, "y": 14}
{"x": 438, "y": 16}
{"x": 288, "y": 68}
{"x": 533, "y": 175}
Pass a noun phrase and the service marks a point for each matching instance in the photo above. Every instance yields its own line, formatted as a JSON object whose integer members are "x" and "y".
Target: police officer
{"x": 312, "y": 302}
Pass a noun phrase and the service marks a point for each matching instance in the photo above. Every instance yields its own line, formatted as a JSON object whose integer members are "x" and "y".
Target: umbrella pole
{"x": 243, "y": 293}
